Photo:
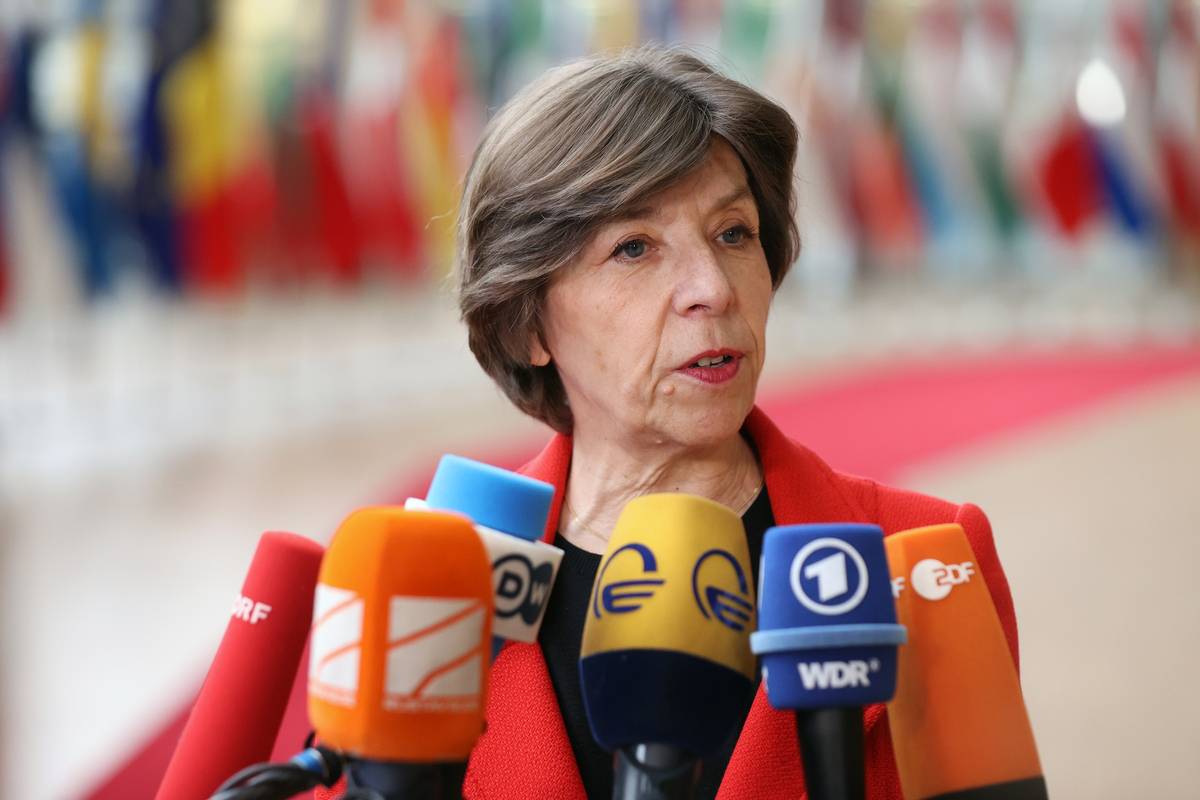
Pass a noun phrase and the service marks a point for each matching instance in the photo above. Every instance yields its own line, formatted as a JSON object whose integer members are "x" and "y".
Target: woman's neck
{"x": 605, "y": 475}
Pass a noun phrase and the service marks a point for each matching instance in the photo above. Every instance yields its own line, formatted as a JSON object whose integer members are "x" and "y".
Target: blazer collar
{"x": 801, "y": 486}
{"x": 525, "y": 729}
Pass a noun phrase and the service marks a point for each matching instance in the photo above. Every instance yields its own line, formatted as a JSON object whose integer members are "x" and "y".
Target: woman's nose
{"x": 704, "y": 286}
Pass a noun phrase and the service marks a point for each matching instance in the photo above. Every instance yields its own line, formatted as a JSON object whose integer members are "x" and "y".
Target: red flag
{"x": 1069, "y": 177}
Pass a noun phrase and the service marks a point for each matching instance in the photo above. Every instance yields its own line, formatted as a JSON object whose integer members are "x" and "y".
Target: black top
{"x": 560, "y": 637}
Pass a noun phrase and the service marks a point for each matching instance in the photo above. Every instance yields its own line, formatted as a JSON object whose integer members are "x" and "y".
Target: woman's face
{"x": 657, "y": 328}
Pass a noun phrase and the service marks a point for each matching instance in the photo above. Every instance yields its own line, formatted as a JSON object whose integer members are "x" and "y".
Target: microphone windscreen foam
{"x": 495, "y": 498}
{"x": 236, "y": 717}
{"x": 401, "y": 637}
{"x": 523, "y": 574}
{"x": 827, "y": 622}
{"x": 510, "y": 513}
{"x": 665, "y": 656}
{"x": 958, "y": 721}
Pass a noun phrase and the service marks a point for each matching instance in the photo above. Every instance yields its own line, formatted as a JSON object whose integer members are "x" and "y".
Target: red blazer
{"x": 525, "y": 753}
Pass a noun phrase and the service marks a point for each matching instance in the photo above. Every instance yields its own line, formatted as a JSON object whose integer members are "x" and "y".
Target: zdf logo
{"x": 933, "y": 579}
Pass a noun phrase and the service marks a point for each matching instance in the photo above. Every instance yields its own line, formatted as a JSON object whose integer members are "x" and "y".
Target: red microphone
{"x": 236, "y": 717}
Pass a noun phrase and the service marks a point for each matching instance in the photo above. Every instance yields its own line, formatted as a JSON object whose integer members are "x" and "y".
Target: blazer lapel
{"x": 803, "y": 489}
{"x": 525, "y": 752}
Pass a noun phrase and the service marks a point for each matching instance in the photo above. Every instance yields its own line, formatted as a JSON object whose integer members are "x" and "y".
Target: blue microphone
{"x": 827, "y": 636}
{"x": 496, "y": 498}
{"x": 510, "y": 512}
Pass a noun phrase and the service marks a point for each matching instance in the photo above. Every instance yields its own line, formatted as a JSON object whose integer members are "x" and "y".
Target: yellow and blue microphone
{"x": 666, "y": 668}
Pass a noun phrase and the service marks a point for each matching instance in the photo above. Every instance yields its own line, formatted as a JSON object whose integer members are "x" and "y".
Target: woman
{"x": 624, "y": 225}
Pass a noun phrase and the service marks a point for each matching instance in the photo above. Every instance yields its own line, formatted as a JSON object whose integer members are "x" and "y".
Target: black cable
{"x": 277, "y": 781}
{"x": 244, "y": 776}
{"x": 268, "y": 782}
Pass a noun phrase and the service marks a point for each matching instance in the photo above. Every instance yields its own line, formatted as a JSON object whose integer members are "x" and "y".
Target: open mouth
{"x": 707, "y": 363}
{"x": 714, "y": 367}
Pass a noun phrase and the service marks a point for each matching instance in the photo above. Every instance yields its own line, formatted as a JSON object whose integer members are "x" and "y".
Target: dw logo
{"x": 731, "y": 610}
{"x": 520, "y": 588}
{"x": 829, "y": 577}
{"x": 621, "y": 597}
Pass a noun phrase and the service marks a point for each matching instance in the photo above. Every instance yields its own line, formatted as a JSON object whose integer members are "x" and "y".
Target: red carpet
{"x": 875, "y": 423}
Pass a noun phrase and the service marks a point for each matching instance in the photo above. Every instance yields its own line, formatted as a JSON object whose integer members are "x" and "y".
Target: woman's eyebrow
{"x": 650, "y": 212}
{"x": 740, "y": 193}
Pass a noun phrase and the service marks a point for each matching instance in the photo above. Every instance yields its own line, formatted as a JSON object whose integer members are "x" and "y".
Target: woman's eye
{"x": 735, "y": 235}
{"x": 634, "y": 248}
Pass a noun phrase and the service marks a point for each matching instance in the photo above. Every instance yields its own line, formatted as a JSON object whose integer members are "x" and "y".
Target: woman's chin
{"x": 706, "y": 424}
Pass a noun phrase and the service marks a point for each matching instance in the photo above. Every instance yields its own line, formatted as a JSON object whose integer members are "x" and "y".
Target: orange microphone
{"x": 400, "y": 649}
{"x": 958, "y": 720}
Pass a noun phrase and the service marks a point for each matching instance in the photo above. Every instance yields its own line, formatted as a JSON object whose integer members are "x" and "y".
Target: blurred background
{"x": 225, "y": 235}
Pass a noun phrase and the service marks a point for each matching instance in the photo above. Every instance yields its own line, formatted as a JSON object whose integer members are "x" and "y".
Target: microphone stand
{"x": 831, "y": 746}
{"x": 654, "y": 772}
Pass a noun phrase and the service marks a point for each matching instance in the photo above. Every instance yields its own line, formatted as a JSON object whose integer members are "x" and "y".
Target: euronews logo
{"x": 623, "y": 597}
{"x": 732, "y": 609}
{"x": 851, "y": 674}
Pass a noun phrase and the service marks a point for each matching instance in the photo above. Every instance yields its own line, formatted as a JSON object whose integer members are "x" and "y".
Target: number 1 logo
{"x": 833, "y": 575}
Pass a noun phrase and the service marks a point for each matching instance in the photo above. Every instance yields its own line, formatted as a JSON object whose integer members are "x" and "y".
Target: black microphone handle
{"x": 831, "y": 746}
{"x": 402, "y": 780}
{"x": 654, "y": 772}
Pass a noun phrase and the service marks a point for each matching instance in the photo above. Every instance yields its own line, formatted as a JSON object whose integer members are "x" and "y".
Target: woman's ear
{"x": 539, "y": 356}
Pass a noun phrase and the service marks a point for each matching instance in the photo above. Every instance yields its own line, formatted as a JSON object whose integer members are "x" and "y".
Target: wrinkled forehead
{"x": 718, "y": 181}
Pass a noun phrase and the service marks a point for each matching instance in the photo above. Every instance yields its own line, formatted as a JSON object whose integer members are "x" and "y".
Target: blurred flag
{"x": 428, "y": 135}
{"x": 335, "y": 218}
{"x": 64, "y": 77}
{"x": 984, "y": 87}
{"x": 380, "y": 186}
{"x": 1176, "y": 116}
{"x": 1069, "y": 177}
{"x": 201, "y": 143}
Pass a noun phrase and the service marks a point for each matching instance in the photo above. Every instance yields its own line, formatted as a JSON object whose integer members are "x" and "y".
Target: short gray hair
{"x": 580, "y": 146}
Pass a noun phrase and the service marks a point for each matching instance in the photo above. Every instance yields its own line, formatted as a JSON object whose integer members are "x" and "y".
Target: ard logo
{"x": 628, "y": 595}
{"x": 829, "y": 577}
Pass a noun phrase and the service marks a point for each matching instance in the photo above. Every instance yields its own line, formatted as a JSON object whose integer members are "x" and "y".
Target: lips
{"x": 713, "y": 366}
{"x": 709, "y": 356}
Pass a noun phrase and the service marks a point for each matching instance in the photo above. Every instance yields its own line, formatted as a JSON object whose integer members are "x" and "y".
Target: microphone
{"x": 237, "y": 714}
{"x": 665, "y": 667}
{"x": 509, "y": 512}
{"x": 958, "y": 721}
{"x": 827, "y": 636}
{"x": 399, "y": 653}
